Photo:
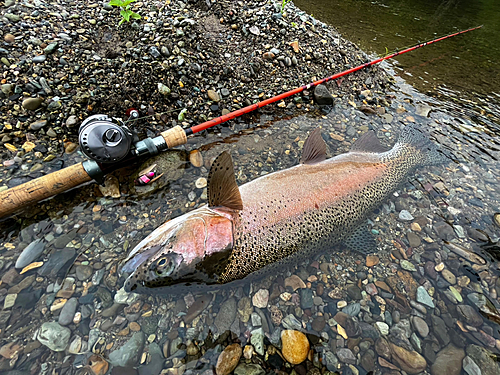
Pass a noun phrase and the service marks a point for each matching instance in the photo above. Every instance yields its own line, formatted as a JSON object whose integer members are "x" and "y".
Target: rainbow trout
{"x": 277, "y": 218}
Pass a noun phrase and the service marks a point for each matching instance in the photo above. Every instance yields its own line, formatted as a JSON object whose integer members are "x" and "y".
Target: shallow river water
{"x": 426, "y": 302}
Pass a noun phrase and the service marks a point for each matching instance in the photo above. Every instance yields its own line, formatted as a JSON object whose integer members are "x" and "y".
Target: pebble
{"x": 226, "y": 315}
{"x": 128, "y": 355}
{"x": 39, "y": 59}
{"x": 407, "y": 265}
{"x": 201, "y": 182}
{"x": 483, "y": 359}
{"x": 249, "y": 369}
{"x": 196, "y": 158}
{"x": 470, "y": 367}
{"x": 228, "y": 359}
{"x": 345, "y": 355}
{"x": 449, "y": 276}
{"x": 257, "y": 340}
{"x": 424, "y": 298}
{"x": 448, "y": 361}
{"x": 54, "y": 336}
{"x": 68, "y": 312}
{"x": 295, "y": 346}
{"x": 212, "y": 95}
{"x": 30, "y": 253}
{"x": 32, "y": 103}
{"x": 405, "y": 215}
{"x": 409, "y": 361}
{"x": 383, "y": 328}
{"x": 294, "y": 282}
{"x": 421, "y": 326}
{"x": 372, "y": 260}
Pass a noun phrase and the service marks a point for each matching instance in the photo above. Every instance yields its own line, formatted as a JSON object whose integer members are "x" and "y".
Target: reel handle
{"x": 40, "y": 188}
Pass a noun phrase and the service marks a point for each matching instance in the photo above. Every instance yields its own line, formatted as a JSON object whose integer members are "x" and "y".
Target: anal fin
{"x": 361, "y": 240}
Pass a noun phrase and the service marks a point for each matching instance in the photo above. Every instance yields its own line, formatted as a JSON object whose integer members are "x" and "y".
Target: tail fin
{"x": 418, "y": 138}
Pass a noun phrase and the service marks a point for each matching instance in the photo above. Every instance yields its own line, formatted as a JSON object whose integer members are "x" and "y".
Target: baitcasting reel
{"x": 105, "y": 139}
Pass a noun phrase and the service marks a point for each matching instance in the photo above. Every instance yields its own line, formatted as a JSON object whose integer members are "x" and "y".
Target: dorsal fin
{"x": 368, "y": 142}
{"x": 222, "y": 187}
{"x": 314, "y": 150}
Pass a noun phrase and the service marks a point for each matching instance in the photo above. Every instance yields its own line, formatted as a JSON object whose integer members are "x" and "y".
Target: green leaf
{"x": 121, "y": 21}
{"x": 135, "y": 16}
{"x": 116, "y": 3}
{"x": 126, "y": 14}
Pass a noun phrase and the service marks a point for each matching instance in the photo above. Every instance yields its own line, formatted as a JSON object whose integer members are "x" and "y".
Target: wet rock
{"x": 196, "y": 158}
{"x": 449, "y": 276}
{"x": 111, "y": 187}
{"x": 350, "y": 326}
{"x": 424, "y": 298}
{"x": 155, "y": 365}
{"x": 261, "y": 298}
{"x": 483, "y": 359}
{"x": 409, "y": 361}
{"x": 228, "y": 359}
{"x": 295, "y": 346}
{"x": 54, "y": 336}
{"x": 56, "y": 262}
{"x": 306, "y": 298}
{"x": 345, "y": 355}
{"x": 470, "y": 366}
{"x": 469, "y": 315}
{"x": 257, "y": 340}
{"x": 354, "y": 292}
{"x": 11, "y": 277}
{"x": 226, "y": 315}
{"x": 294, "y": 282}
{"x": 212, "y": 95}
{"x": 413, "y": 239}
{"x": 291, "y": 322}
{"x": 318, "y": 324}
{"x": 32, "y": 104}
{"x": 444, "y": 231}
{"x": 404, "y": 215}
{"x": 372, "y": 260}
{"x": 83, "y": 272}
{"x": 421, "y": 326}
{"x": 322, "y": 95}
{"x": 352, "y": 309}
{"x": 440, "y": 330}
{"x": 249, "y": 369}
{"x": 245, "y": 309}
{"x": 448, "y": 361}
{"x": 128, "y": 354}
{"x": 68, "y": 312}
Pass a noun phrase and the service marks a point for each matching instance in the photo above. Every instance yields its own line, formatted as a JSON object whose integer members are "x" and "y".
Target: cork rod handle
{"x": 175, "y": 136}
{"x": 33, "y": 191}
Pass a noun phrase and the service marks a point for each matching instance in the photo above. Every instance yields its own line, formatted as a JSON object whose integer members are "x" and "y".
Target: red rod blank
{"x": 253, "y": 107}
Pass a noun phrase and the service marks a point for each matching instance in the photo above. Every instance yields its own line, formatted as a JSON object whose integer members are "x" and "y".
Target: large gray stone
{"x": 128, "y": 354}
{"x": 54, "y": 336}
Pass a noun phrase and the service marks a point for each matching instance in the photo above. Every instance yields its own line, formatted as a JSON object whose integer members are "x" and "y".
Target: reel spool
{"x": 105, "y": 139}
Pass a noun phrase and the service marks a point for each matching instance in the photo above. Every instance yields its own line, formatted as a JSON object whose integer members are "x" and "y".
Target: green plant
{"x": 283, "y": 5}
{"x": 125, "y": 11}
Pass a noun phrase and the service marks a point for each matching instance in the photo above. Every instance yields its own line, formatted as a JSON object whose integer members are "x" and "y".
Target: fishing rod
{"x": 111, "y": 145}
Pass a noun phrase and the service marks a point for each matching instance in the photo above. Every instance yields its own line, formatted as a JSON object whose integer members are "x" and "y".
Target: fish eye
{"x": 164, "y": 266}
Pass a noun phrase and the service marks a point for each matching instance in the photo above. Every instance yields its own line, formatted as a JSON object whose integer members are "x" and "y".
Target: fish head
{"x": 191, "y": 249}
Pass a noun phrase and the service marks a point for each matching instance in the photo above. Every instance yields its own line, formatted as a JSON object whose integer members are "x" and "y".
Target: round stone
{"x": 295, "y": 346}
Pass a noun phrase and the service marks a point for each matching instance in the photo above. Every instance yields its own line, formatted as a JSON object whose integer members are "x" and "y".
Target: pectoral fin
{"x": 361, "y": 240}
